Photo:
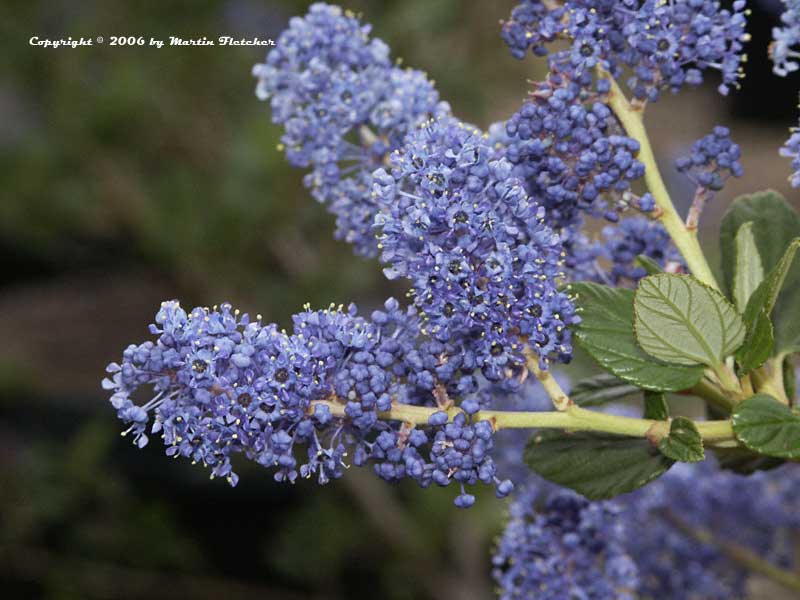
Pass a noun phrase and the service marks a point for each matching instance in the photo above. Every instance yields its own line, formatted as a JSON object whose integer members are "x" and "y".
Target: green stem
{"x": 685, "y": 239}
{"x": 711, "y": 393}
{"x": 769, "y": 379}
{"x": 586, "y": 420}
{"x": 560, "y": 399}
{"x": 738, "y": 554}
{"x": 776, "y": 377}
{"x": 729, "y": 382}
{"x": 573, "y": 418}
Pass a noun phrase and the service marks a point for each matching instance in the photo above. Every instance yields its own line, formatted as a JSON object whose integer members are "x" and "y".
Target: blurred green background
{"x": 134, "y": 174}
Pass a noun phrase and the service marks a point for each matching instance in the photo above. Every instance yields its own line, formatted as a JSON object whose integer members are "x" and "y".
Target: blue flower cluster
{"x": 611, "y": 260}
{"x": 757, "y": 512}
{"x": 344, "y": 106}
{"x": 568, "y": 147}
{"x": 666, "y": 45}
{"x": 569, "y": 549}
{"x": 557, "y": 545}
{"x": 713, "y": 159}
{"x": 457, "y": 451}
{"x": 784, "y": 53}
{"x": 791, "y": 149}
{"x": 483, "y": 264}
{"x": 224, "y": 385}
{"x": 786, "y": 40}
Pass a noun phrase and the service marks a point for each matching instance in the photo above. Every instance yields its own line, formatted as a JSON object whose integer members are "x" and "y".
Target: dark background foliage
{"x": 134, "y": 174}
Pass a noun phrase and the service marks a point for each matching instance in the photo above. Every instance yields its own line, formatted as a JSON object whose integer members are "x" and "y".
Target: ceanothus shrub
{"x": 490, "y": 230}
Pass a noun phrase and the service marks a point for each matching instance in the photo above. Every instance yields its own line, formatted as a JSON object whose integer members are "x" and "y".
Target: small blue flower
{"x": 791, "y": 149}
{"x": 713, "y": 159}
{"x": 786, "y": 40}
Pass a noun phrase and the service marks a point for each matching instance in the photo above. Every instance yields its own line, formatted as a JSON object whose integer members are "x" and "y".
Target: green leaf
{"x": 744, "y": 461}
{"x": 749, "y": 272}
{"x": 771, "y": 296}
{"x": 684, "y": 442}
{"x": 682, "y": 321}
{"x": 600, "y": 389}
{"x": 768, "y": 427}
{"x": 655, "y": 406}
{"x": 775, "y": 225}
{"x": 606, "y": 334}
{"x": 650, "y": 266}
{"x": 599, "y": 466}
{"x": 765, "y": 296}
{"x": 757, "y": 346}
{"x": 759, "y": 342}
